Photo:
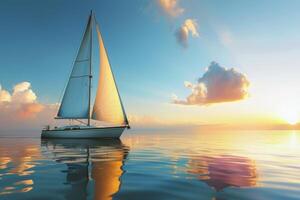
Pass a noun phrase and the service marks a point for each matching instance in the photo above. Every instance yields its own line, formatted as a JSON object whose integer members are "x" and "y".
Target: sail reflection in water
{"x": 94, "y": 167}
{"x": 224, "y": 171}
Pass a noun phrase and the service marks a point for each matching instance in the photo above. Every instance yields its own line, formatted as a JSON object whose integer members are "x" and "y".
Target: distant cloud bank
{"x": 217, "y": 85}
{"x": 21, "y": 106}
{"x": 22, "y": 102}
{"x": 189, "y": 27}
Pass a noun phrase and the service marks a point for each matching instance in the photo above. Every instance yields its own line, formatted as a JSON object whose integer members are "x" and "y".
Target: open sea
{"x": 178, "y": 164}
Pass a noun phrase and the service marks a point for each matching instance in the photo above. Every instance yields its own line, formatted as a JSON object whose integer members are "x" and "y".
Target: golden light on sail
{"x": 107, "y": 105}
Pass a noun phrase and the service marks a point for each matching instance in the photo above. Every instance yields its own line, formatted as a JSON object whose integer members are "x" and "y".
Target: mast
{"x": 90, "y": 75}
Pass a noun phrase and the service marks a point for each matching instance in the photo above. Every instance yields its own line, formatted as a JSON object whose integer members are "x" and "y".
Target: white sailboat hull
{"x": 85, "y": 133}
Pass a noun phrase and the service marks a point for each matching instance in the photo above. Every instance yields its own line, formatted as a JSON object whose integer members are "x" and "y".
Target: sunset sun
{"x": 291, "y": 117}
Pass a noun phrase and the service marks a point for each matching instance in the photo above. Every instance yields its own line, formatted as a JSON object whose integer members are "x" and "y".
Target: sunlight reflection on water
{"x": 180, "y": 164}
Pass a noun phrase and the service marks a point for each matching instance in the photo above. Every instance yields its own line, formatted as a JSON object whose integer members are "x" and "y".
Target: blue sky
{"x": 39, "y": 40}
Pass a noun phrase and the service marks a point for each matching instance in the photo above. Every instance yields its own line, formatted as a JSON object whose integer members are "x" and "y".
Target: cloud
{"x": 23, "y": 94}
{"x": 4, "y": 95}
{"x": 30, "y": 110}
{"x": 217, "y": 85}
{"x": 225, "y": 37}
{"x": 21, "y": 108}
{"x": 21, "y": 87}
{"x": 170, "y": 7}
{"x": 189, "y": 27}
{"x": 22, "y": 103}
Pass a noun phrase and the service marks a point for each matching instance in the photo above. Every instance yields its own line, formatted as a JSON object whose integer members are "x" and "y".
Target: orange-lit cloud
{"x": 217, "y": 85}
{"x": 23, "y": 94}
{"x": 189, "y": 27}
{"x": 170, "y": 7}
{"x": 21, "y": 107}
{"x": 22, "y": 103}
{"x": 4, "y": 95}
{"x": 30, "y": 110}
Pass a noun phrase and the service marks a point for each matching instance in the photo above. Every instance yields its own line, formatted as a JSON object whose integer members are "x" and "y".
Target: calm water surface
{"x": 180, "y": 164}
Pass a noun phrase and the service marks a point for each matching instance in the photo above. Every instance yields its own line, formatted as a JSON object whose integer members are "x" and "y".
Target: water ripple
{"x": 154, "y": 165}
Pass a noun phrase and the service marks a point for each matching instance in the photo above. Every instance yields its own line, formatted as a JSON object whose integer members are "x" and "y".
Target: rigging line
{"x": 80, "y": 76}
{"x": 80, "y": 121}
{"x": 82, "y": 60}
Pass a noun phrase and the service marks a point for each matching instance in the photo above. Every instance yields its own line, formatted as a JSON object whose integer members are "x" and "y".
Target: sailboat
{"x": 76, "y": 101}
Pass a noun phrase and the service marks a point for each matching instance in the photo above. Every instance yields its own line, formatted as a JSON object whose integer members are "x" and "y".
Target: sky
{"x": 176, "y": 62}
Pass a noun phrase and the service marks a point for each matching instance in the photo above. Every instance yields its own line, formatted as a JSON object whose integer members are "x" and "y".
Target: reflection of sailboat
{"x": 76, "y": 101}
{"x": 104, "y": 158}
{"x": 224, "y": 171}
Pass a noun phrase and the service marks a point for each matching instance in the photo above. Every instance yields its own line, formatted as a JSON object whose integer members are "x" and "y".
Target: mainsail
{"x": 108, "y": 105}
{"x": 76, "y": 99}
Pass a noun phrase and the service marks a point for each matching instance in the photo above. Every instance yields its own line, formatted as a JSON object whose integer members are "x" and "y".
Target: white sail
{"x": 75, "y": 102}
{"x": 108, "y": 106}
